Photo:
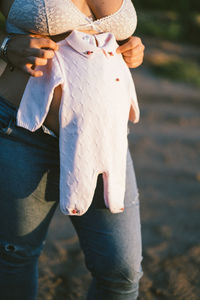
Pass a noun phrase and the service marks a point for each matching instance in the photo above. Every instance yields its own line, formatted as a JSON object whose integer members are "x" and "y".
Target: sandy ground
{"x": 165, "y": 146}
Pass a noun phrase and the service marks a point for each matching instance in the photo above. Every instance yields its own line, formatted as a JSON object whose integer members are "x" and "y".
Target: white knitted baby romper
{"x": 98, "y": 98}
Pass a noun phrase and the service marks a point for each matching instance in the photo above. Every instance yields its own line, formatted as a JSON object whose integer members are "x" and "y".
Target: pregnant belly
{"x": 52, "y": 119}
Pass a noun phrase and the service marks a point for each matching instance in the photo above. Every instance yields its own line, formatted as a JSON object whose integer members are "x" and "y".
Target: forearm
{"x": 3, "y": 33}
{"x": 4, "y": 39}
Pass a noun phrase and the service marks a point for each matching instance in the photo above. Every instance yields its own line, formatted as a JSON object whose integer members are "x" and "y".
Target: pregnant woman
{"x": 29, "y": 161}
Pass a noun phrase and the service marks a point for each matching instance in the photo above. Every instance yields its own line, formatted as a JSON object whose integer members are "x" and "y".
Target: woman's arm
{"x": 2, "y": 31}
{"x": 27, "y": 51}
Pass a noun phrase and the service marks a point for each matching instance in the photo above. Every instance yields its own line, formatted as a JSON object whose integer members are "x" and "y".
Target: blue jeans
{"x": 29, "y": 193}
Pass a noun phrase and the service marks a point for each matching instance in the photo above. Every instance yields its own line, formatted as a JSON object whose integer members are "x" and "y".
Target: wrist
{"x": 4, "y": 50}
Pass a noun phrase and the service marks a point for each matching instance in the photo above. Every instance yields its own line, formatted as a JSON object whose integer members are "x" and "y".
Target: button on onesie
{"x": 98, "y": 99}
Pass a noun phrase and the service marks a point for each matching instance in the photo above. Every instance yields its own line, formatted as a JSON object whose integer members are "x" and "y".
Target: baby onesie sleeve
{"x": 38, "y": 95}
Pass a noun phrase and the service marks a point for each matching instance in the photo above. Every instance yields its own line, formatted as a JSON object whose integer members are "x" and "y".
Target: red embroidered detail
{"x": 89, "y": 52}
{"x": 122, "y": 209}
{"x": 117, "y": 79}
{"x": 74, "y": 211}
{"x": 111, "y": 53}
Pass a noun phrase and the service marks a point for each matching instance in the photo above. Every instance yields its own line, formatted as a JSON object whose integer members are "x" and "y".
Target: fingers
{"x": 138, "y": 50}
{"x": 41, "y": 49}
{"x": 29, "y": 69}
{"x": 36, "y": 61}
{"x": 41, "y": 42}
{"x": 28, "y": 51}
{"x": 46, "y": 54}
{"x": 31, "y": 63}
{"x": 133, "y": 63}
{"x": 132, "y": 43}
{"x": 132, "y": 51}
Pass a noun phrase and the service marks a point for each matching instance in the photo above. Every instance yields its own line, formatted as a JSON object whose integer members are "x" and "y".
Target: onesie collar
{"x": 87, "y": 44}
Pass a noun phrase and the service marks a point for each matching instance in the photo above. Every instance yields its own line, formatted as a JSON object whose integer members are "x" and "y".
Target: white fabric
{"x": 98, "y": 97}
{"x": 51, "y": 17}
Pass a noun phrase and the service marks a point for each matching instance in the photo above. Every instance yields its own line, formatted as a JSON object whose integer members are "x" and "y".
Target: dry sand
{"x": 165, "y": 146}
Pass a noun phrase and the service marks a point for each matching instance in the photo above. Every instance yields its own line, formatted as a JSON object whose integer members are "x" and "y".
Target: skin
{"x": 27, "y": 51}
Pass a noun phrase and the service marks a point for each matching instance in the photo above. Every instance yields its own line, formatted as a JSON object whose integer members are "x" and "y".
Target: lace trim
{"x": 98, "y": 19}
{"x": 52, "y": 17}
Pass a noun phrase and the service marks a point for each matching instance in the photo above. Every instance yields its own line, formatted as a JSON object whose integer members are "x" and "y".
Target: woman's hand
{"x": 132, "y": 51}
{"x": 28, "y": 51}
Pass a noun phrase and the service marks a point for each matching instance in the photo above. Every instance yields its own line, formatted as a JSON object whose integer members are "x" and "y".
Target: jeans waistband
{"x": 9, "y": 111}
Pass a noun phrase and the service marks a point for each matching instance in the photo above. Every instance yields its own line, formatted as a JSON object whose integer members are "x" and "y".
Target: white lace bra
{"x": 52, "y": 17}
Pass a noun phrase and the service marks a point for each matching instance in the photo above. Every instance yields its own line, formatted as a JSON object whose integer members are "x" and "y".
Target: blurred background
{"x": 176, "y": 22}
{"x": 165, "y": 146}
